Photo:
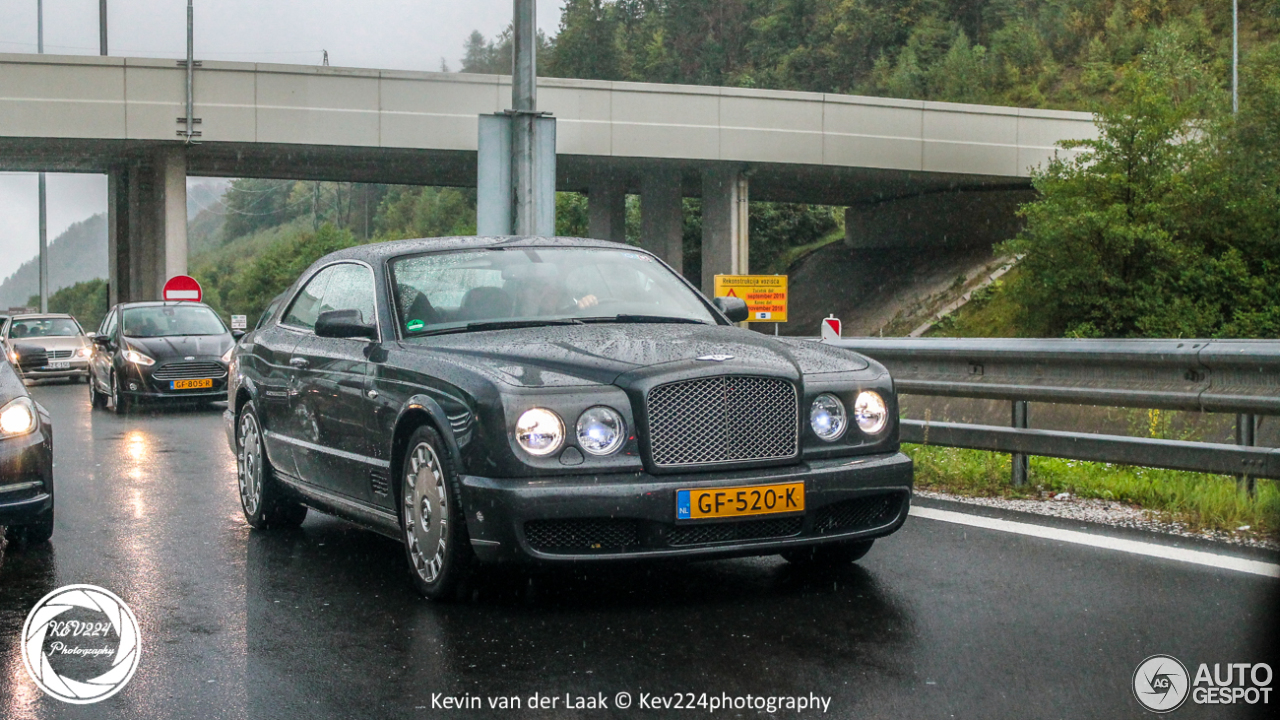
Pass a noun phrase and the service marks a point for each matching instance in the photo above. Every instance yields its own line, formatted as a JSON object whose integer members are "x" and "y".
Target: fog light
{"x": 827, "y": 417}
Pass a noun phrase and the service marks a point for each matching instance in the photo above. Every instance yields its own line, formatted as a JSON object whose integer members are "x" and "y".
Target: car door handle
{"x": 299, "y": 362}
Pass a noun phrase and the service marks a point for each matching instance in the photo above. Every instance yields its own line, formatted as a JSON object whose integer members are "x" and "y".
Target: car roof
{"x": 43, "y": 316}
{"x": 376, "y": 252}
{"x": 160, "y": 303}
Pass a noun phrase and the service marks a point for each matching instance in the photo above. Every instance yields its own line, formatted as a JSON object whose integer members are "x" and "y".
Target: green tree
{"x": 85, "y": 301}
{"x": 1166, "y": 225}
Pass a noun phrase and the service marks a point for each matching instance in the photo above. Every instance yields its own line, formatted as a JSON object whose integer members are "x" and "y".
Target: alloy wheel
{"x": 249, "y": 464}
{"x": 426, "y": 511}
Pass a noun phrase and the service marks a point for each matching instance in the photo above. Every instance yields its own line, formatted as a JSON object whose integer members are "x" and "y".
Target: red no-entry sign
{"x": 182, "y": 287}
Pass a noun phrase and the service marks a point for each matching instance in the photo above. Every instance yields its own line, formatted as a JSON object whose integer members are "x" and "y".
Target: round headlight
{"x": 601, "y": 430}
{"x": 17, "y": 418}
{"x": 870, "y": 412}
{"x": 827, "y": 417}
{"x": 539, "y": 432}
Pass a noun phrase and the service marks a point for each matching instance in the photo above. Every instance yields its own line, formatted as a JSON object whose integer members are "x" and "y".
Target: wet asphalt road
{"x": 938, "y": 621}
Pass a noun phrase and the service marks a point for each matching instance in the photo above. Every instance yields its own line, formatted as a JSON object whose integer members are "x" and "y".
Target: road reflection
{"x": 27, "y": 573}
{"x": 340, "y": 598}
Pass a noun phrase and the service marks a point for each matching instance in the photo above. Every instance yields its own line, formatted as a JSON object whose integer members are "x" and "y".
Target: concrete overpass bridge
{"x": 908, "y": 171}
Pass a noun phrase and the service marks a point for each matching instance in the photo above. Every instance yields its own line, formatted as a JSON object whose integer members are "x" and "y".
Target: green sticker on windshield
{"x": 414, "y": 325}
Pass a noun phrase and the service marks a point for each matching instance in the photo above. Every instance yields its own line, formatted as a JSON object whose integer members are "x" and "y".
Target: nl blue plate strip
{"x": 682, "y": 505}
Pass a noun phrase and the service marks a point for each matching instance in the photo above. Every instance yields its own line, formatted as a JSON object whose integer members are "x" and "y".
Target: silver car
{"x": 63, "y": 340}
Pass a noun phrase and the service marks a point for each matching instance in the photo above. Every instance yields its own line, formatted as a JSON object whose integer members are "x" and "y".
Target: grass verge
{"x": 1200, "y": 501}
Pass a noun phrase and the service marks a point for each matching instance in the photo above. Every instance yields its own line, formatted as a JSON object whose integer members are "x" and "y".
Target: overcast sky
{"x": 394, "y": 34}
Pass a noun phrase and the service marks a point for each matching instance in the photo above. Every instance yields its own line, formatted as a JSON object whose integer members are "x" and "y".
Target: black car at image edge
{"x": 26, "y": 457}
{"x": 555, "y": 400}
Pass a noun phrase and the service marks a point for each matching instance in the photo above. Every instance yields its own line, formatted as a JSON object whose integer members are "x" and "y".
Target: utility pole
{"x": 524, "y": 106}
{"x": 1235, "y": 56}
{"x": 44, "y": 217}
{"x": 102, "y": 27}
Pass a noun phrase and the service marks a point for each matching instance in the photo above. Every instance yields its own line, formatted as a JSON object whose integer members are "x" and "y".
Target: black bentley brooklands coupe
{"x": 553, "y": 399}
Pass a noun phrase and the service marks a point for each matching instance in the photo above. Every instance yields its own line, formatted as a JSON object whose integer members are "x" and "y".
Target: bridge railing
{"x": 1220, "y": 376}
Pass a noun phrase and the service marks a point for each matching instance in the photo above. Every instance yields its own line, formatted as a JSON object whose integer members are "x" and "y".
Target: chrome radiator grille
{"x": 189, "y": 371}
{"x": 722, "y": 419}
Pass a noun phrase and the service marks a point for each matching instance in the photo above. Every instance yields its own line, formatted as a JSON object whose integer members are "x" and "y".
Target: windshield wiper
{"x": 497, "y": 325}
{"x": 625, "y": 318}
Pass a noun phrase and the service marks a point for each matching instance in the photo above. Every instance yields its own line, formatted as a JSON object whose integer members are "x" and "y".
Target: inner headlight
{"x": 871, "y": 412}
{"x": 84, "y": 352}
{"x": 601, "y": 430}
{"x": 138, "y": 358}
{"x": 18, "y": 417}
{"x": 539, "y": 432}
{"x": 827, "y": 417}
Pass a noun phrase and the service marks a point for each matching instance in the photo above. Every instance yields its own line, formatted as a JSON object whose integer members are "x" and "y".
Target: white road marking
{"x": 1197, "y": 557}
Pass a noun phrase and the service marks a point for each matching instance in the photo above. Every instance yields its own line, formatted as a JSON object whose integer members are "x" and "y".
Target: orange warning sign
{"x": 765, "y": 295}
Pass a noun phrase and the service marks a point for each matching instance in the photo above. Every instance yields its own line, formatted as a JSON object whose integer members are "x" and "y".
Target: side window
{"x": 306, "y": 307}
{"x": 351, "y": 289}
{"x": 109, "y": 324}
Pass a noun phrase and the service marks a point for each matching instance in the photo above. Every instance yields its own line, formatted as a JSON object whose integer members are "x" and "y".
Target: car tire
{"x": 829, "y": 555}
{"x": 437, "y": 544}
{"x": 97, "y": 400}
{"x": 36, "y": 533}
{"x": 119, "y": 403}
{"x": 264, "y": 502}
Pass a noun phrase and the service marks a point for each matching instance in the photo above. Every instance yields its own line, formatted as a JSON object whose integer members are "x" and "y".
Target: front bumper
{"x": 26, "y": 476}
{"x": 633, "y": 515}
{"x": 138, "y": 384}
{"x": 74, "y": 369}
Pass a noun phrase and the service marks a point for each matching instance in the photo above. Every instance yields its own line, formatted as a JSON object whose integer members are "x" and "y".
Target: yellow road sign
{"x": 765, "y": 295}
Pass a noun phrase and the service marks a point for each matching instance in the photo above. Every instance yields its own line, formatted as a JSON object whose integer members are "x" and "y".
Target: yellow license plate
{"x": 190, "y": 384}
{"x": 739, "y": 501}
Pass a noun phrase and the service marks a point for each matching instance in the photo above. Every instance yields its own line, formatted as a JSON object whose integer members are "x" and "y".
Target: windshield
{"x": 474, "y": 289}
{"x": 45, "y": 327}
{"x": 171, "y": 320}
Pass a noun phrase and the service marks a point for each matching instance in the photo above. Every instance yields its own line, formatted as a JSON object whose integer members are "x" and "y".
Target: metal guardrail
{"x": 1224, "y": 376}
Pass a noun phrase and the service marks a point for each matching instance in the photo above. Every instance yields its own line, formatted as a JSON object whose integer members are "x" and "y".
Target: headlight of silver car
{"x": 827, "y": 417}
{"x": 870, "y": 412}
{"x": 18, "y": 417}
{"x": 601, "y": 430}
{"x": 539, "y": 432}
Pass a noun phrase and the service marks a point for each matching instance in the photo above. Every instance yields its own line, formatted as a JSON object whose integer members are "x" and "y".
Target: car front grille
{"x": 735, "y": 531}
{"x": 59, "y": 354}
{"x": 583, "y": 535}
{"x": 864, "y": 513}
{"x": 722, "y": 419}
{"x": 189, "y": 371}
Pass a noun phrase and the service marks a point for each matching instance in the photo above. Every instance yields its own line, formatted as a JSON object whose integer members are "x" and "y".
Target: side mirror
{"x": 101, "y": 341}
{"x": 237, "y": 334}
{"x": 733, "y": 308}
{"x": 30, "y": 357}
{"x": 344, "y": 324}
{"x": 91, "y": 334}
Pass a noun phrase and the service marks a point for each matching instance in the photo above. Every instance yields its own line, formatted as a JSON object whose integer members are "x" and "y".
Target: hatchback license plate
{"x": 191, "y": 384}
{"x": 739, "y": 501}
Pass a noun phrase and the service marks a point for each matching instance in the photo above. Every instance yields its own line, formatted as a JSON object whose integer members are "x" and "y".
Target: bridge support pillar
{"x": 662, "y": 216}
{"x": 147, "y": 225}
{"x": 725, "y": 224}
{"x": 607, "y": 208}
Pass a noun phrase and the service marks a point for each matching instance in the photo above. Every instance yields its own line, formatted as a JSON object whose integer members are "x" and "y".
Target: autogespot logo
{"x": 80, "y": 644}
{"x": 1160, "y": 683}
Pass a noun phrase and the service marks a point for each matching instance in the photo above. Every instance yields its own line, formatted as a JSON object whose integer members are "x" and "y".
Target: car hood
{"x": 182, "y": 346}
{"x": 599, "y": 354}
{"x": 70, "y": 342}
